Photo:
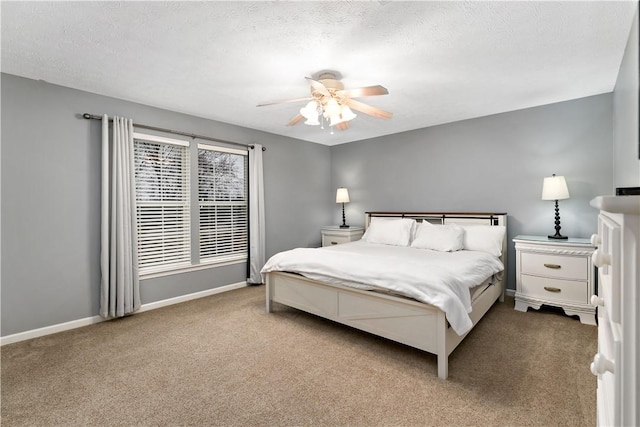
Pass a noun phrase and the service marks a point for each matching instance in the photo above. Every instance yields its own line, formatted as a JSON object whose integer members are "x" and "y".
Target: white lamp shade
{"x": 310, "y": 111}
{"x": 555, "y": 188}
{"x": 331, "y": 108}
{"x": 347, "y": 114}
{"x": 342, "y": 195}
{"x": 335, "y": 120}
{"x": 313, "y": 121}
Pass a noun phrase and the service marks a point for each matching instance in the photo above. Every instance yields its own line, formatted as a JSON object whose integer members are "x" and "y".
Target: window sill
{"x": 187, "y": 269}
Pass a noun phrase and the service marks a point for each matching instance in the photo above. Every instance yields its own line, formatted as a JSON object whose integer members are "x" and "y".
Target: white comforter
{"x": 442, "y": 279}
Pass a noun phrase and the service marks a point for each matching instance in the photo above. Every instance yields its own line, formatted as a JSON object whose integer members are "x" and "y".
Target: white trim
{"x": 160, "y": 139}
{"x": 510, "y": 292}
{"x": 66, "y": 326}
{"x": 195, "y": 267}
{"x": 222, "y": 149}
{"x": 189, "y": 297}
{"x": 48, "y": 330}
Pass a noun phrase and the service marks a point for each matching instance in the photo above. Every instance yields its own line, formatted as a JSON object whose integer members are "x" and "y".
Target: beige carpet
{"x": 223, "y": 361}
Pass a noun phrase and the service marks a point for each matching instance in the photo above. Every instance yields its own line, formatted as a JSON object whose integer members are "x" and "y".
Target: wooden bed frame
{"x": 404, "y": 320}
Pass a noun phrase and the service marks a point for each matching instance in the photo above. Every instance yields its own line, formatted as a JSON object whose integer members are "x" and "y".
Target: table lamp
{"x": 555, "y": 188}
{"x": 342, "y": 196}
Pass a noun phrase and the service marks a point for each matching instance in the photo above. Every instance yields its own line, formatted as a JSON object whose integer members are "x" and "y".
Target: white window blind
{"x": 162, "y": 202}
{"x": 222, "y": 196}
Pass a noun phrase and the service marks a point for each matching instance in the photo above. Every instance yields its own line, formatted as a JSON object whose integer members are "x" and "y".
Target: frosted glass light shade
{"x": 310, "y": 111}
{"x": 335, "y": 120}
{"x": 347, "y": 114}
{"x": 555, "y": 188}
{"x": 342, "y": 195}
{"x": 313, "y": 121}
{"x": 331, "y": 108}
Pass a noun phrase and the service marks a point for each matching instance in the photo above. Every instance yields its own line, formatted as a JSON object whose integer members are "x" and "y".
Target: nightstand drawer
{"x": 335, "y": 235}
{"x": 328, "y": 240}
{"x": 556, "y": 266}
{"x": 555, "y": 289}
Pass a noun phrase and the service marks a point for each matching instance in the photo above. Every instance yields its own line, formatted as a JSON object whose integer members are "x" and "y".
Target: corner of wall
{"x": 626, "y": 138}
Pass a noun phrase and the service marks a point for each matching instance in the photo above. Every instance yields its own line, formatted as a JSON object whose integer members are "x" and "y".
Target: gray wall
{"x": 51, "y": 172}
{"x": 626, "y": 163}
{"x": 490, "y": 164}
{"x": 51, "y": 201}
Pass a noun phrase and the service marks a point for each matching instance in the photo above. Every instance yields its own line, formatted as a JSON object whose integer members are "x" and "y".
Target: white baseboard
{"x": 48, "y": 330}
{"x": 510, "y": 292}
{"x": 189, "y": 297}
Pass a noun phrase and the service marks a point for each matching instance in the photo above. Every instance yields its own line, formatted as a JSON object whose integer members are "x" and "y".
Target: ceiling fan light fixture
{"x": 331, "y": 108}
{"x": 335, "y": 120}
{"x": 347, "y": 114}
{"x": 310, "y": 111}
{"x": 312, "y": 121}
{"x": 331, "y": 103}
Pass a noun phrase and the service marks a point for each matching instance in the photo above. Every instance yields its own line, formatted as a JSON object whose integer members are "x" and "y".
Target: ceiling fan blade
{"x": 364, "y": 91}
{"x": 318, "y": 86}
{"x": 342, "y": 126}
{"x": 368, "y": 109}
{"x": 297, "y": 119}
{"x": 284, "y": 101}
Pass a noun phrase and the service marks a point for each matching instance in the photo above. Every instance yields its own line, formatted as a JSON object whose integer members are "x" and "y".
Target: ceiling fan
{"x": 330, "y": 101}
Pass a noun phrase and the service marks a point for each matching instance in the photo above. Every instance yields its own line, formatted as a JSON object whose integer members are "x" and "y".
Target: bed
{"x": 423, "y": 315}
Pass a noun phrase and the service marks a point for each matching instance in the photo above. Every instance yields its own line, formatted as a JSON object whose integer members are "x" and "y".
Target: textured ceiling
{"x": 440, "y": 61}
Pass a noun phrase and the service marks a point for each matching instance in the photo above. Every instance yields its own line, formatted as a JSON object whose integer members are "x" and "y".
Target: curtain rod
{"x": 175, "y": 132}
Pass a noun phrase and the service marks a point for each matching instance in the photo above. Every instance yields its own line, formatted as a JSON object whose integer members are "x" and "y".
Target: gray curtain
{"x": 256, "y": 216}
{"x": 120, "y": 286}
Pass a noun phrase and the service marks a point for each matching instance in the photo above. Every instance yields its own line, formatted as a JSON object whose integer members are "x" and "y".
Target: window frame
{"x": 230, "y": 257}
{"x": 186, "y": 203}
{"x": 193, "y": 217}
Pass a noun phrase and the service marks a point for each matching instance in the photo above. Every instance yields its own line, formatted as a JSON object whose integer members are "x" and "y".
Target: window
{"x": 222, "y": 197}
{"x": 165, "y": 193}
{"x": 162, "y": 202}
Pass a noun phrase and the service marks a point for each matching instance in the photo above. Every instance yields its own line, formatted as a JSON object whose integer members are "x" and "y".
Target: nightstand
{"x": 557, "y": 273}
{"x": 334, "y": 235}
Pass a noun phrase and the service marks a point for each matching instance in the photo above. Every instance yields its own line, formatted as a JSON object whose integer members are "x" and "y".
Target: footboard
{"x": 398, "y": 319}
{"x": 409, "y": 322}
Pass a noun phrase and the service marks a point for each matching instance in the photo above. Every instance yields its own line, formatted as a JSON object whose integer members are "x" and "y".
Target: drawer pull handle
{"x": 554, "y": 266}
{"x": 601, "y": 365}
{"x": 600, "y": 259}
{"x": 550, "y": 289}
{"x": 334, "y": 243}
{"x": 597, "y": 301}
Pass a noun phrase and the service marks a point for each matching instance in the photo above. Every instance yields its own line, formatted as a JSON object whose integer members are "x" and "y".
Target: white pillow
{"x": 484, "y": 238}
{"x": 443, "y": 238}
{"x": 389, "y": 231}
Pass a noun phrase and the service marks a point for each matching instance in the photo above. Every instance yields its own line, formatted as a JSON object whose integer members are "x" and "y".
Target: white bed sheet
{"x": 442, "y": 279}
